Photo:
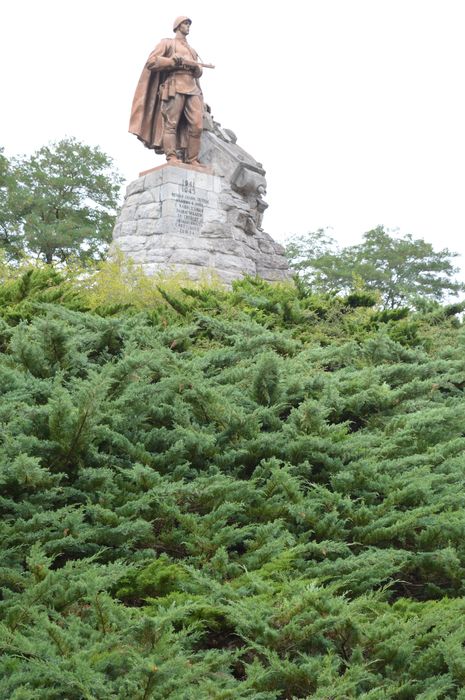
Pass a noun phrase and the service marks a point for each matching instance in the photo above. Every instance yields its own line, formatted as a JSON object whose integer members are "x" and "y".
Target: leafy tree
{"x": 59, "y": 203}
{"x": 401, "y": 269}
{"x": 9, "y": 238}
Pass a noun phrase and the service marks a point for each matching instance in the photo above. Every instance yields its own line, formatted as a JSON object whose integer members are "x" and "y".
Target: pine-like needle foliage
{"x": 247, "y": 495}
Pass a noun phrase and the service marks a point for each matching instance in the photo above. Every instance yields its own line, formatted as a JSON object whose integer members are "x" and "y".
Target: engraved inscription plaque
{"x": 189, "y": 208}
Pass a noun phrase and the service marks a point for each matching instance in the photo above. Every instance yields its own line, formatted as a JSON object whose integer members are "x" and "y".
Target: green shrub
{"x": 257, "y": 494}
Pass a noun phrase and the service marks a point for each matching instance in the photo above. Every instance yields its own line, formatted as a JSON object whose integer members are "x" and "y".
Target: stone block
{"x": 132, "y": 243}
{"x": 166, "y": 224}
{"x": 148, "y": 211}
{"x": 216, "y": 215}
{"x": 146, "y": 227}
{"x": 133, "y": 200}
{"x": 239, "y": 218}
{"x": 238, "y": 233}
{"x": 127, "y": 214}
{"x": 190, "y": 256}
{"x": 273, "y": 262}
{"x": 167, "y": 190}
{"x": 135, "y": 186}
{"x": 174, "y": 240}
{"x": 154, "y": 179}
{"x": 168, "y": 208}
{"x": 213, "y": 200}
{"x": 185, "y": 176}
{"x": 151, "y": 256}
{"x": 233, "y": 262}
{"x": 128, "y": 228}
{"x": 216, "y": 229}
{"x": 229, "y": 200}
{"x": 178, "y": 176}
{"x": 231, "y": 247}
{"x": 194, "y": 272}
{"x": 266, "y": 247}
{"x": 251, "y": 248}
{"x": 205, "y": 181}
{"x": 194, "y": 243}
{"x": 151, "y": 195}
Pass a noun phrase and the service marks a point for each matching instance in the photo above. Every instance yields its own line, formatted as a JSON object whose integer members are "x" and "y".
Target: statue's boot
{"x": 193, "y": 150}
{"x": 169, "y": 146}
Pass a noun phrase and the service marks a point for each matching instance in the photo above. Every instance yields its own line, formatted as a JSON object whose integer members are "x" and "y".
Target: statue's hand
{"x": 177, "y": 60}
{"x": 192, "y": 66}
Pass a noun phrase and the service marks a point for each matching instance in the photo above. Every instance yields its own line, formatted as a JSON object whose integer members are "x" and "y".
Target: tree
{"x": 401, "y": 269}
{"x": 59, "y": 203}
{"x": 9, "y": 240}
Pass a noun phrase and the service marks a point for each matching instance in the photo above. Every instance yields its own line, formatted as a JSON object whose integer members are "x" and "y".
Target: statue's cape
{"x": 146, "y": 120}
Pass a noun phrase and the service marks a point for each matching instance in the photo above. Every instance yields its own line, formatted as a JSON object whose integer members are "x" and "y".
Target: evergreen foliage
{"x": 254, "y": 494}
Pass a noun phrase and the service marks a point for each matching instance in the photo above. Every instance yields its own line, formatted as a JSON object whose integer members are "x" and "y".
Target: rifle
{"x": 192, "y": 64}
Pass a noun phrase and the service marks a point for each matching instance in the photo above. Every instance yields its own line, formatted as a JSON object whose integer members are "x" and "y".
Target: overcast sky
{"x": 355, "y": 107}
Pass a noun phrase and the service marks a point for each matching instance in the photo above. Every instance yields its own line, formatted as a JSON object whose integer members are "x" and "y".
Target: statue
{"x": 167, "y": 110}
{"x": 199, "y": 218}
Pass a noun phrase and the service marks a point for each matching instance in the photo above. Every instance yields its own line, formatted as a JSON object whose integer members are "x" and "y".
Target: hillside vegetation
{"x": 227, "y": 495}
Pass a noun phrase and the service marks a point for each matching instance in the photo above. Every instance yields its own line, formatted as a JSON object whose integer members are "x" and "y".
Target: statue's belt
{"x": 168, "y": 88}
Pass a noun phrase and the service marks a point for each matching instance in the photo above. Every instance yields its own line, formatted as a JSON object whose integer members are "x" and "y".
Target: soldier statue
{"x": 167, "y": 110}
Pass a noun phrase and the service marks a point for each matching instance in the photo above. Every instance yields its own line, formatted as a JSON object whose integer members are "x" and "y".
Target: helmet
{"x": 180, "y": 20}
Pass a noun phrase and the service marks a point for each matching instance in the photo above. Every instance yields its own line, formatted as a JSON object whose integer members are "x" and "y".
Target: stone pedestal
{"x": 181, "y": 217}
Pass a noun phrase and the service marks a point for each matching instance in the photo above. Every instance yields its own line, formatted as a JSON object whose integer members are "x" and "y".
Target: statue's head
{"x": 180, "y": 20}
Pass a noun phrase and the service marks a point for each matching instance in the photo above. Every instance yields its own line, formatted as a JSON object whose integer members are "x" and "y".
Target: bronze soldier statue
{"x": 167, "y": 110}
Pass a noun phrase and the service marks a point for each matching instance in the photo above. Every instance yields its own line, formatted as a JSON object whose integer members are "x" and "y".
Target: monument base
{"x": 181, "y": 217}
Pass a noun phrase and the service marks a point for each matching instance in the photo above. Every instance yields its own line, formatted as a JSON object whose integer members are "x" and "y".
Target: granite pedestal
{"x": 177, "y": 217}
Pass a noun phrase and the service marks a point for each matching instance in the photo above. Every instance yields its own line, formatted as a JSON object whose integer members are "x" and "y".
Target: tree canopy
{"x": 402, "y": 269}
{"x": 58, "y": 203}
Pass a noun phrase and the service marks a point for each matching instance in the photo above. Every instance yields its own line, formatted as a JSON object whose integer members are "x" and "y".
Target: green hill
{"x": 227, "y": 495}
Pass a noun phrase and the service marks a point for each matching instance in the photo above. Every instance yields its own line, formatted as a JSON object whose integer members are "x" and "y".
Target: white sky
{"x": 355, "y": 107}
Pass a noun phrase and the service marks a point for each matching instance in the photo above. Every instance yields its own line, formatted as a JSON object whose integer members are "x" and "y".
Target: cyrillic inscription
{"x": 189, "y": 208}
